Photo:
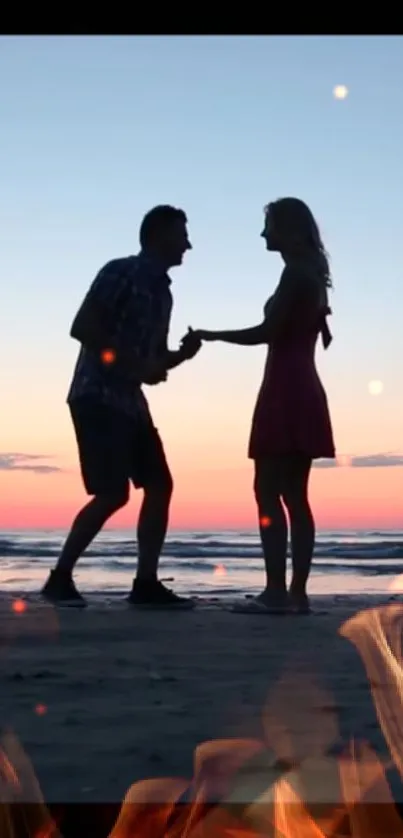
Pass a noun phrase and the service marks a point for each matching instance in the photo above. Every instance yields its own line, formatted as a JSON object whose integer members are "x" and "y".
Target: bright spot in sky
{"x": 375, "y": 388}
{"x": 340, "y": 91}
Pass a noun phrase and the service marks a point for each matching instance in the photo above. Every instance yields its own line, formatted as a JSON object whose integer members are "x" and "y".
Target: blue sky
{"x": 96, "y": 130}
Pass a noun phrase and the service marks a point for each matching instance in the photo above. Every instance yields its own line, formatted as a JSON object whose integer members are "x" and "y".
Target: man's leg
{"x": 151, "y": 472}
{"x": 105, "y": 460}
{"x": 152, "y": 527}
{"x": 87, "y": 524}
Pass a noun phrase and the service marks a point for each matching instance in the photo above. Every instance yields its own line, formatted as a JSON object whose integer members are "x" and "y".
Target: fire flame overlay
{"x": 285, "y": 786}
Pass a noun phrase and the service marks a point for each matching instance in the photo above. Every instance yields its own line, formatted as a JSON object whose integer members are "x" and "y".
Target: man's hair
{"x": 156, "y": 219}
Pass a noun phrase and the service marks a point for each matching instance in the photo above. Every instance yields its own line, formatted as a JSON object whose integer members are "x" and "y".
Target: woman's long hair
{"x": 295, "y": 224}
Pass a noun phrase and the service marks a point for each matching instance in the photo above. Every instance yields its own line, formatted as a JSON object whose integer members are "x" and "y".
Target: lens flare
{"x": 41, "y": 709}
{"x": 344, "y": 460}
{"x": 19, "y": 606}
{"x": 375, "y": 387}
{"x": 108, "y": 356}
{"x": 340, "y": 91}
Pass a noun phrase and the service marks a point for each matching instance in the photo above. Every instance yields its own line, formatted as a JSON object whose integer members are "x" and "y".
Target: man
{"x": 122, "y": 327}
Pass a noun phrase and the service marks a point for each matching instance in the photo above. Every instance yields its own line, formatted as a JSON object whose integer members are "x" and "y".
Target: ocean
{"x": 213, "y": 564}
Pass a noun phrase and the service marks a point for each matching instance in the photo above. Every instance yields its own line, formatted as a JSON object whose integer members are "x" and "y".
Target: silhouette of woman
{"x": 291, "y": 424}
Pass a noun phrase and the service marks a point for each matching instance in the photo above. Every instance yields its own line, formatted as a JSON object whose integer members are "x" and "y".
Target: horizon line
{"x": 205, "y": 529}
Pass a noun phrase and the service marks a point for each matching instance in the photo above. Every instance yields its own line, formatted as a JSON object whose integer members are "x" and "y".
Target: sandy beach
{"x": 103, "y": 698}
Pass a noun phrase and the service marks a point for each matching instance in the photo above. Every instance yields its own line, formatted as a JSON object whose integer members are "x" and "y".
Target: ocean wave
{"x": 201, "y": 553}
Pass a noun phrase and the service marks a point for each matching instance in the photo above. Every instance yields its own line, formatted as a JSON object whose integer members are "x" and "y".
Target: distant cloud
{"x": 363, "y": 461}
{"x": 26, "y": 462}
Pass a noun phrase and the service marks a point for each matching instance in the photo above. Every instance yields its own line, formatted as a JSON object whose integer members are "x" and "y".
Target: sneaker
{"x": 153, "y": 594}
{"x": 61, "y": 590}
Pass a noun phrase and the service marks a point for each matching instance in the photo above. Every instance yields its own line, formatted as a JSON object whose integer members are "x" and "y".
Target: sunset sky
{"x": 94, "y": 132}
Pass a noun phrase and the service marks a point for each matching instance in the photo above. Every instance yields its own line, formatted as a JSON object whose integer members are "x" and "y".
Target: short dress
{"x": 292, "y": 413}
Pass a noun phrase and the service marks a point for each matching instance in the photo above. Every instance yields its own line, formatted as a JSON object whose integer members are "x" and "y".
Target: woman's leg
{"x": 302, "y": 525}
{"x": 272, "y": 527}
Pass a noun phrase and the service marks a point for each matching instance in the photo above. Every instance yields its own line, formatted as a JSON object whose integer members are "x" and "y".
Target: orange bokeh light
{"x": 108, "y": 356}
{"x": 265, "y": 521}
{"x": 41, "y": 709}
{"x": 19, "y": 606}
{"x": 344, "y": 460}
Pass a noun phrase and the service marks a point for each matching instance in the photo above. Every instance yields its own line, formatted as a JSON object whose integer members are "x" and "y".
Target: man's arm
{"x": 94, "y": 323}
{"x": 89, "y": 326}
{"x": 94, "y": 326}
{"x": 174, "y": 358}
{"x": 190, "y": 345}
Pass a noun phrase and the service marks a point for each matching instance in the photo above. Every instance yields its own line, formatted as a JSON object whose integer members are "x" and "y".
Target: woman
{"x": 291, "y": 424}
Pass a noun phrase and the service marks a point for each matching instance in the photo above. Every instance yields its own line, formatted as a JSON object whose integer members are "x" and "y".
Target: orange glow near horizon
{"x": 342, "y": 498}
{"x": 204, "y": 417}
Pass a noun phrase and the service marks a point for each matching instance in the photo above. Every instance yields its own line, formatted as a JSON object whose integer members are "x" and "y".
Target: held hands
{"x": 204, "y": 334}
{"x": 190, "y": 345}
{"x": 194, "y": 338}
{"x": 155, "y": 370}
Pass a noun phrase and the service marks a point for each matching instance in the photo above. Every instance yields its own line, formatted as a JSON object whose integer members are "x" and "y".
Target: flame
{"x": 377, "y": 635}
{"x": 396, "y": 585}
{"x": 18, "y": 785}
{"x": 290, "y": 784}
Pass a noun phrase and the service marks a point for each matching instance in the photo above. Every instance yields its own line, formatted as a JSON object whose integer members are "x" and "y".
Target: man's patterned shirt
{"x": 136, "y": 294}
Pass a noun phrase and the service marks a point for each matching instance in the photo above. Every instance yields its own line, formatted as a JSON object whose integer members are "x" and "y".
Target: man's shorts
{"x": 115, "y": 448}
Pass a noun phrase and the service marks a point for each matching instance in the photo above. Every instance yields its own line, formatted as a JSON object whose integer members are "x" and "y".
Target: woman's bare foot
{"x": 274, "y": 600}
{"x": 298, "y": 602}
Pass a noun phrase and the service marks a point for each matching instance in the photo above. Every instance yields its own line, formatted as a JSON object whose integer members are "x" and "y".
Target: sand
{"x": 102, "y": 698}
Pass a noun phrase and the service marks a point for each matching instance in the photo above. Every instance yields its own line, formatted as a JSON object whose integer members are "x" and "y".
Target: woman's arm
{"x": 293, "y": 288}
{"x": 255, "y": 336}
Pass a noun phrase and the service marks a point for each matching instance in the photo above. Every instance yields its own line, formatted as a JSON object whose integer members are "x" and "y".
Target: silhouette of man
{"x": 123, "y": 327}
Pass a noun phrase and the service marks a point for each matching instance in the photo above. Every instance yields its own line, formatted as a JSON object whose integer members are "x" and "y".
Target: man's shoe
{"x": 153, "y": 594}
{"x": 60, "y": 589}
